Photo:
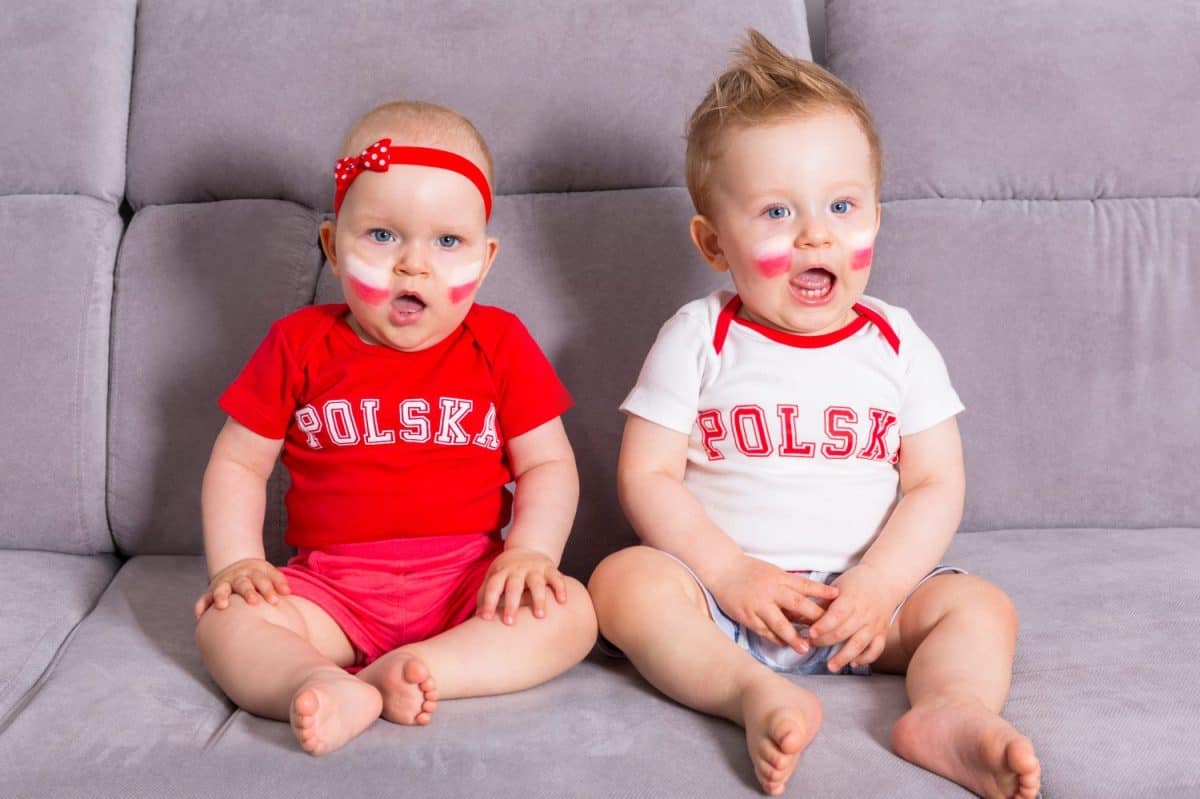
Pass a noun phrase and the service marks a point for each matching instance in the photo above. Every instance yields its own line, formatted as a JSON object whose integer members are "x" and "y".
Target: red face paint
{"x": 460, "y": 293}
{"x": 773, "y": 265}
{"x": 861, "y": 259}
{"x": 369, "y": 294}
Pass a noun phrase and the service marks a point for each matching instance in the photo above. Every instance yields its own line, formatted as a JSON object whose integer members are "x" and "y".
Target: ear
{"x": 878, "y": 216}
{"x": 704, "y": 236}
{"x": 493, "y": 246}
{"x": 328, "y": 238}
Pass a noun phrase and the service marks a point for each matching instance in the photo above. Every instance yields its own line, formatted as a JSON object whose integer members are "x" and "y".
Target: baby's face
{"x": 793, "y": 215}
{"x": 411, "y": 249}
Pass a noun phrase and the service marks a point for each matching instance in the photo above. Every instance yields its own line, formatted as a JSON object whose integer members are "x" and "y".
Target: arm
{"x": 232, "y": 506}
{"x": 546, "y": 498}
{"x": 669, "y": 517}
{"x": 915, "y": 536}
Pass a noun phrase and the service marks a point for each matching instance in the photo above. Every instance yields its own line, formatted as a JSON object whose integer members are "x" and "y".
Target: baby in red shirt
{"x": 401, "y": 416}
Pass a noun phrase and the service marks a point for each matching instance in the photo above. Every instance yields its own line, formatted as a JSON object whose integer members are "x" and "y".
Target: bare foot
{"x": 330, "y": 709}
{"x": 781, "y": 719}
{"x": 409, "y": 692}
{"x": 971, "y": 745}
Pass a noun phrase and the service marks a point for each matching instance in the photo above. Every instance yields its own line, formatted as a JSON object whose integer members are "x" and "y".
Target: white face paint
{"x": 774, "y": 247}
{"x": 377, "y": 277}
{"x": 464, "y": 273}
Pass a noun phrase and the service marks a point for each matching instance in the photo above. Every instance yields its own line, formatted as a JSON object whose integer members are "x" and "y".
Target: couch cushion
{"x": 44, "y": 595}
{"x": 1097, "y": 687}
{"x": 1072, "y": 99}
{"x": 587, "y": 94}
{"x": 57, "y": 281}
{"x": 199, "y": 286}
{"x": 65, "y": 96}
{"x": 1069, "y": 330}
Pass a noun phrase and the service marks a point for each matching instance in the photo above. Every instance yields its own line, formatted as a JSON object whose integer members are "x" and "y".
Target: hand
{"x": 858, "y": 617}
{"x": 253, "y": 579}
{"x": 766, "y": 600}
{"x": 513, "y": 572}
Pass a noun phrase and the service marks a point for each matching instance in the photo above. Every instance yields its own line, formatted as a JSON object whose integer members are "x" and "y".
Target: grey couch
{"x": 163, "y": 170}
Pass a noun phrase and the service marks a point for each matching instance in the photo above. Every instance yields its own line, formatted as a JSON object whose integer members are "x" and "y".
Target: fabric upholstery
{"x": 1079, "y": 99}
{"x": 44, "y": 595}
{"x": 65, "y": 96}
{"x": 1096, "y": 607}
{"x": 570, "y": 96}
{"x": 198, "y": 287}
{"x": 57, "y": 283}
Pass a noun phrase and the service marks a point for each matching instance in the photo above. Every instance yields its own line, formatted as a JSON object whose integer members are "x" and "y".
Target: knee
{"x": 629, "y": 579}
{"x": 580, "y": 615}
{"x": 984, "y": 599}
{"x": 214, "y": 626}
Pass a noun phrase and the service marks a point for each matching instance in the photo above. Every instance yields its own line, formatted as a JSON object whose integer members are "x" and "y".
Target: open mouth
{"x": 813, "y": 285}
{"x": 406, "y": 308}
{"x": 408, "y": 302}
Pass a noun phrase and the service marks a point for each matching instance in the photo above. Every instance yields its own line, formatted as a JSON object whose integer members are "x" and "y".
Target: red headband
{"x": 380, "y": 155}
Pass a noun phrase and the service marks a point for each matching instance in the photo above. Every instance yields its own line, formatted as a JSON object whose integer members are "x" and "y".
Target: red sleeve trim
{"x": 881, "y": 325}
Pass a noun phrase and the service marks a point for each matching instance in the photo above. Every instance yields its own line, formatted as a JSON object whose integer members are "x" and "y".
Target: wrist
{"x": 894, "y": 586}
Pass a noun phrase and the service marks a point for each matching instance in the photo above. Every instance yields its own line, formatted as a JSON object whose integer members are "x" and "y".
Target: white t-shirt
{"x": 794, "y": 439}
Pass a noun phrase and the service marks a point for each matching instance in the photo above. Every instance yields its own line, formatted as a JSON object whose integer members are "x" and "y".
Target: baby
{"x": 401, "y": 416}
{"x": 791, "y": 458}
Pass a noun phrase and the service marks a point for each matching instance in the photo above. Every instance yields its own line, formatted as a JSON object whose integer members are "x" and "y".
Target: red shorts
{"x": 385, "y": 594}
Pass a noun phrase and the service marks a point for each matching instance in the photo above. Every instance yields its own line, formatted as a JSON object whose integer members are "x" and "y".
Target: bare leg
{"x": 282, "y": 662}
{"x": 961, "y": 632}
{"x": 641, "y": 597}
{"x": 521, "y": 655}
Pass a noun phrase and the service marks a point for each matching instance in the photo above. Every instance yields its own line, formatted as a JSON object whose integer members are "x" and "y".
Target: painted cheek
{"x": 368, "y": 294}
{"x": 460, "y": 293}
{"x": 861, "y": 259}
{"x": 773, "y": 265}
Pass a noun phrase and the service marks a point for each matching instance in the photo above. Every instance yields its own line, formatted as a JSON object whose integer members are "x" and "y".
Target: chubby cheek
{"x": 773, "y": 257}
{"x": 861, "y": 259}
{"x": 463, "y": 280}
{"x": 461, "y": 292}
{"x": 368, "y": 294}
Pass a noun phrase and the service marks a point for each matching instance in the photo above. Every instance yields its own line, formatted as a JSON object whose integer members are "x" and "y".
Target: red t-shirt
{"x": 388, "y": 444}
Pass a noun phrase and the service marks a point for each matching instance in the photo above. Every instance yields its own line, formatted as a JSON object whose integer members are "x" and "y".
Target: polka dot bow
{"x": 380, "y": 155}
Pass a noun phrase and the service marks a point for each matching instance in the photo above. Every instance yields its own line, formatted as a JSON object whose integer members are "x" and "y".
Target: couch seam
{"x": 11, "y": 715}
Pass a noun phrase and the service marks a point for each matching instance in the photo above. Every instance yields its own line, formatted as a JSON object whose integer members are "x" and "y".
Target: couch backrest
{"x": 65, "y": 96}
{"x": 1042, "y": 222}
{"x": 237, "y": 116}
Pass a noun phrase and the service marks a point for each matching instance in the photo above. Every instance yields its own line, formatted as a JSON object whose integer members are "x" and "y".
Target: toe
{"x": 415, "y": 672}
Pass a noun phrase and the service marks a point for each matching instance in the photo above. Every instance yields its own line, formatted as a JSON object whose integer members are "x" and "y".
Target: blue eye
{"x": 380, "y": 235}
{"x": 448, "y": 241}
{"x": 840, "y": 207}
{"x": 778, "y": 212}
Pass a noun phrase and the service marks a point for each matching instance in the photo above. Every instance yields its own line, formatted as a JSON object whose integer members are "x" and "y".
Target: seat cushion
{"x": 44, "y": 595}
{"x": 1105, "y": 617}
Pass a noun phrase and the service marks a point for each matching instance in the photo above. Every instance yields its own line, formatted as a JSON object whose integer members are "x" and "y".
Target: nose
{"x": 814, "y": 231}
{"x": 411, "y": 262}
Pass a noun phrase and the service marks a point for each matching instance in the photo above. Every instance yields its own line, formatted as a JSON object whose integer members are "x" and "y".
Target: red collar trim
{"x": 866, "y": 315}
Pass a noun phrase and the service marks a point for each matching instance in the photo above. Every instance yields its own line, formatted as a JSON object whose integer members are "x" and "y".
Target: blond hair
{"x": 415, "y": 121}
{"x": 764, "y": 86}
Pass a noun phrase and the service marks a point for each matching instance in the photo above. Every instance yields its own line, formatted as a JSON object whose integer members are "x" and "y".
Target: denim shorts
{"x": 784, "y": 658}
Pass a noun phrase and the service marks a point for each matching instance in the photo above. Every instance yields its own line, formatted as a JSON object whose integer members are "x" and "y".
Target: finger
{"x": 812, "y": 587}
{"x": 804, "y": 609}
{"x": 221, "y": 595}
{"x": 280, "y": 581}
{"x": 559, "y": 584}
{"x": 263, "y": 584}
{"x": 202, "y": 604}
{"x": 848, "y": 627}
{"x": 492, "y": 589}
{"x": 245, "y": 587}
{"x": 513, "y": 588}
{"x": 784, "y": 631}
{"x": 851, "y": 649}
{"x": 872, "y": 652}
{"x": 537, "y": 593}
